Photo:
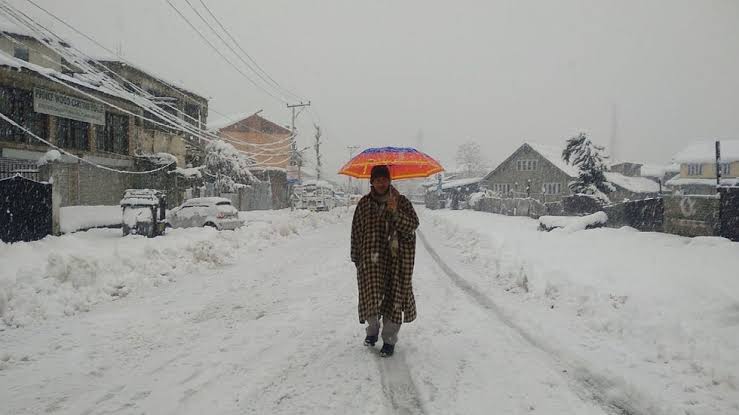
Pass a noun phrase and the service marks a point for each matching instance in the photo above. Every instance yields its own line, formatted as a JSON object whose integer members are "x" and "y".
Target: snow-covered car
{"x": 341, "y": 198}
{"x": 315, "y": 195}
{"x": 216, "y": 212}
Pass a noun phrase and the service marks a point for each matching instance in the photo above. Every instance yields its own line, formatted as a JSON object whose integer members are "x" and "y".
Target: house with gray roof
{"x": 533, "y": 170}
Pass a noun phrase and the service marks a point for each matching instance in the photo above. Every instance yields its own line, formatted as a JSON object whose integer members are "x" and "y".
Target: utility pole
{"x": 295, "y": 160}
{"x": 317, "y": 146}
{"x": 351, "y": 149}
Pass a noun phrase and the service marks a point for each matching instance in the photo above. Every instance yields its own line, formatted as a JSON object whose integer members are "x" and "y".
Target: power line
{"x": 218, "y": 35}
{"x": 83, "y": 60}
{"x": 210, "y": 44}
{"x": 113, "y": 53}
{"x": 246, "y": 53}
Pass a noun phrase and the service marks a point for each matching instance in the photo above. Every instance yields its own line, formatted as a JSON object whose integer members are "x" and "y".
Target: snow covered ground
{"x": 263, "y": 320}
{"x": 656, "y": 314}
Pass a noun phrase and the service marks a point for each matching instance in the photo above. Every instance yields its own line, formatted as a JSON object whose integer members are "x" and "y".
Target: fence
{"x": 512, "y": 206}
{"x": 645, "y": 215}
{"x": 12, "y": 167}
{"x": 25, "y": 209}
{"x": 729, "y": 213}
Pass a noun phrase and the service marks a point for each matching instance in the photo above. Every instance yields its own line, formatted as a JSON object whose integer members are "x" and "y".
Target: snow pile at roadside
{"x": 657, "y": 311}
{"x": 74, "y": 218}
{"x": 573, "y": 223}
{"x": 64, "y": 275}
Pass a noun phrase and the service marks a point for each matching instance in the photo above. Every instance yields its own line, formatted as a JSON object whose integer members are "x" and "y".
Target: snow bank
{"x": 74, "y": 218}
{"x": 61, "y": 276}
{"x": 573, "y": 223}
{"x": 658, "y": 311}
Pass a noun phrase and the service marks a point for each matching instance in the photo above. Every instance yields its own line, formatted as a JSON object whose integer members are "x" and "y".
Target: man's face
{"x": 381, "y": 185}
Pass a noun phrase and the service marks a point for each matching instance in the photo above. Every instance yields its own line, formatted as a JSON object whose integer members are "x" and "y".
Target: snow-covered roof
{"x": 153, "y": 75}
{"x": 684, "y": 181}
{"x": 554, "y": 156}
{"x": 460, "y": 182}
{"x": 658, "y": 170}
{"x": 161, "y": 159}
{"x": 633, "y": 184}
{"x": 217, "y": 124}
{"x": 190, "y": 172}
{"x": 83, "y": 81}
{"x": 705, "y": 152}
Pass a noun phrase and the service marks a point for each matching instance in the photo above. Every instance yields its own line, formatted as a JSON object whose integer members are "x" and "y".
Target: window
{"x": 167, "y": 104}
{"x": 526, "y": 165}
{"x": 72, "y": 134}
{"x": 17, "y": 104}
{"x": 113, "y": 137}
{"x": 502, "y": 188}
{"x": 552, "y": 188}
{"x": 192, "y": 114}
{"x": 695, "y": 169}
{"x": 21, "y": 53}
{"x": 725, "y": 169}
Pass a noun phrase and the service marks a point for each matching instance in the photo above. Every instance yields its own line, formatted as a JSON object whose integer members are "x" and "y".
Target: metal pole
{"x": 718, "y": 184}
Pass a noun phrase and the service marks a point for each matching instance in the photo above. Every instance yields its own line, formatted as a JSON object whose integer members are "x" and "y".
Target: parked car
{"x": 341, "y": 198}
{"x": 315, "y": 195}
{"x": 216, "y": 212}
{"x": 143, "y": 212}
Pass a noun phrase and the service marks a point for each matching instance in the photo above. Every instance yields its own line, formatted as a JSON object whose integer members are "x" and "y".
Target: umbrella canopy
{"x": 404, "y": 163}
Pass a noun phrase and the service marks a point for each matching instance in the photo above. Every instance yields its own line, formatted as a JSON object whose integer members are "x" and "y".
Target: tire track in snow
{"x": 587, "y": 385}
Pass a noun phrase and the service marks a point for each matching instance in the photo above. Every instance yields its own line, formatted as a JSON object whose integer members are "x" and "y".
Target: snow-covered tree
{"x": 229, "y": 166}
{"x": 470, "y": 159}
{"x": 588, "y": 158}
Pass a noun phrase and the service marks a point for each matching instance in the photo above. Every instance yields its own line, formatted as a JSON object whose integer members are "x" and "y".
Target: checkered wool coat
{"x": 384, "y": 281}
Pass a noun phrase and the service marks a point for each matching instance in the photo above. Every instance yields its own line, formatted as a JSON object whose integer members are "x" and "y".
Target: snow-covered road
{"x": 276, "y": 332}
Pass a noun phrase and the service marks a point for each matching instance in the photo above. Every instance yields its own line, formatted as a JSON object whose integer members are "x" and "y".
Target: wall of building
{"x": 277, "y": 154}
{"x": 709, "y": 170}
{"x": 27, "y": 80}
{"x": 545, "y": 172}
{"x": 153, "y": 141}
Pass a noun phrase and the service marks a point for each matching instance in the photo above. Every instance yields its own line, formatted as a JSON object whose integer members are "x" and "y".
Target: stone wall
{"x": 691, "y": 215}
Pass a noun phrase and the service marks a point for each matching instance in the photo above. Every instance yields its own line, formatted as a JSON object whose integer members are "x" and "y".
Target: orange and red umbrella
{"x": 404, "y": 163}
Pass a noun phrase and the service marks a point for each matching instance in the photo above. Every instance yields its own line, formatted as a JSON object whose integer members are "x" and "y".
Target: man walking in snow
{"x": 383, "y": 248}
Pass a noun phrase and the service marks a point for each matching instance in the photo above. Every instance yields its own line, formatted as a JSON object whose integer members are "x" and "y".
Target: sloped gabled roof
{"x": 549, "y": 153}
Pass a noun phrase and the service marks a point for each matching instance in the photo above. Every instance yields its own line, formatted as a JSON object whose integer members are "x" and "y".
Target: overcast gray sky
{"x": 499, "y": 72}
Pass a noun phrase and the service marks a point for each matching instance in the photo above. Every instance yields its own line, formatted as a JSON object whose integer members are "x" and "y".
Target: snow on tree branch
{"x": 588, "y": 158}
{"x": 229, "y": 166}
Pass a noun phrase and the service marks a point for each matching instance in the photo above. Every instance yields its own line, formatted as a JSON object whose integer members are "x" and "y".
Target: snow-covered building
{"x": 533, "y": 170}
{"x": 266, "y": 140}
{"x": 631, "y": 187}
{"x": 698, "y": 167}
{"x": 268, "y": 143}
{"x": 79, "y": 112}
{"x": 182, "y": 103}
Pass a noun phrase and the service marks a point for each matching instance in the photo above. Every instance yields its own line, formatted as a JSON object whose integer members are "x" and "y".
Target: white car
{"x": 216, "y": 212}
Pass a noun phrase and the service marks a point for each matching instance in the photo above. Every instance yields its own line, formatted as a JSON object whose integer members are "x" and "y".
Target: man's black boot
{"x": 370, "y": 341}
{"x": 387, "y": 350}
